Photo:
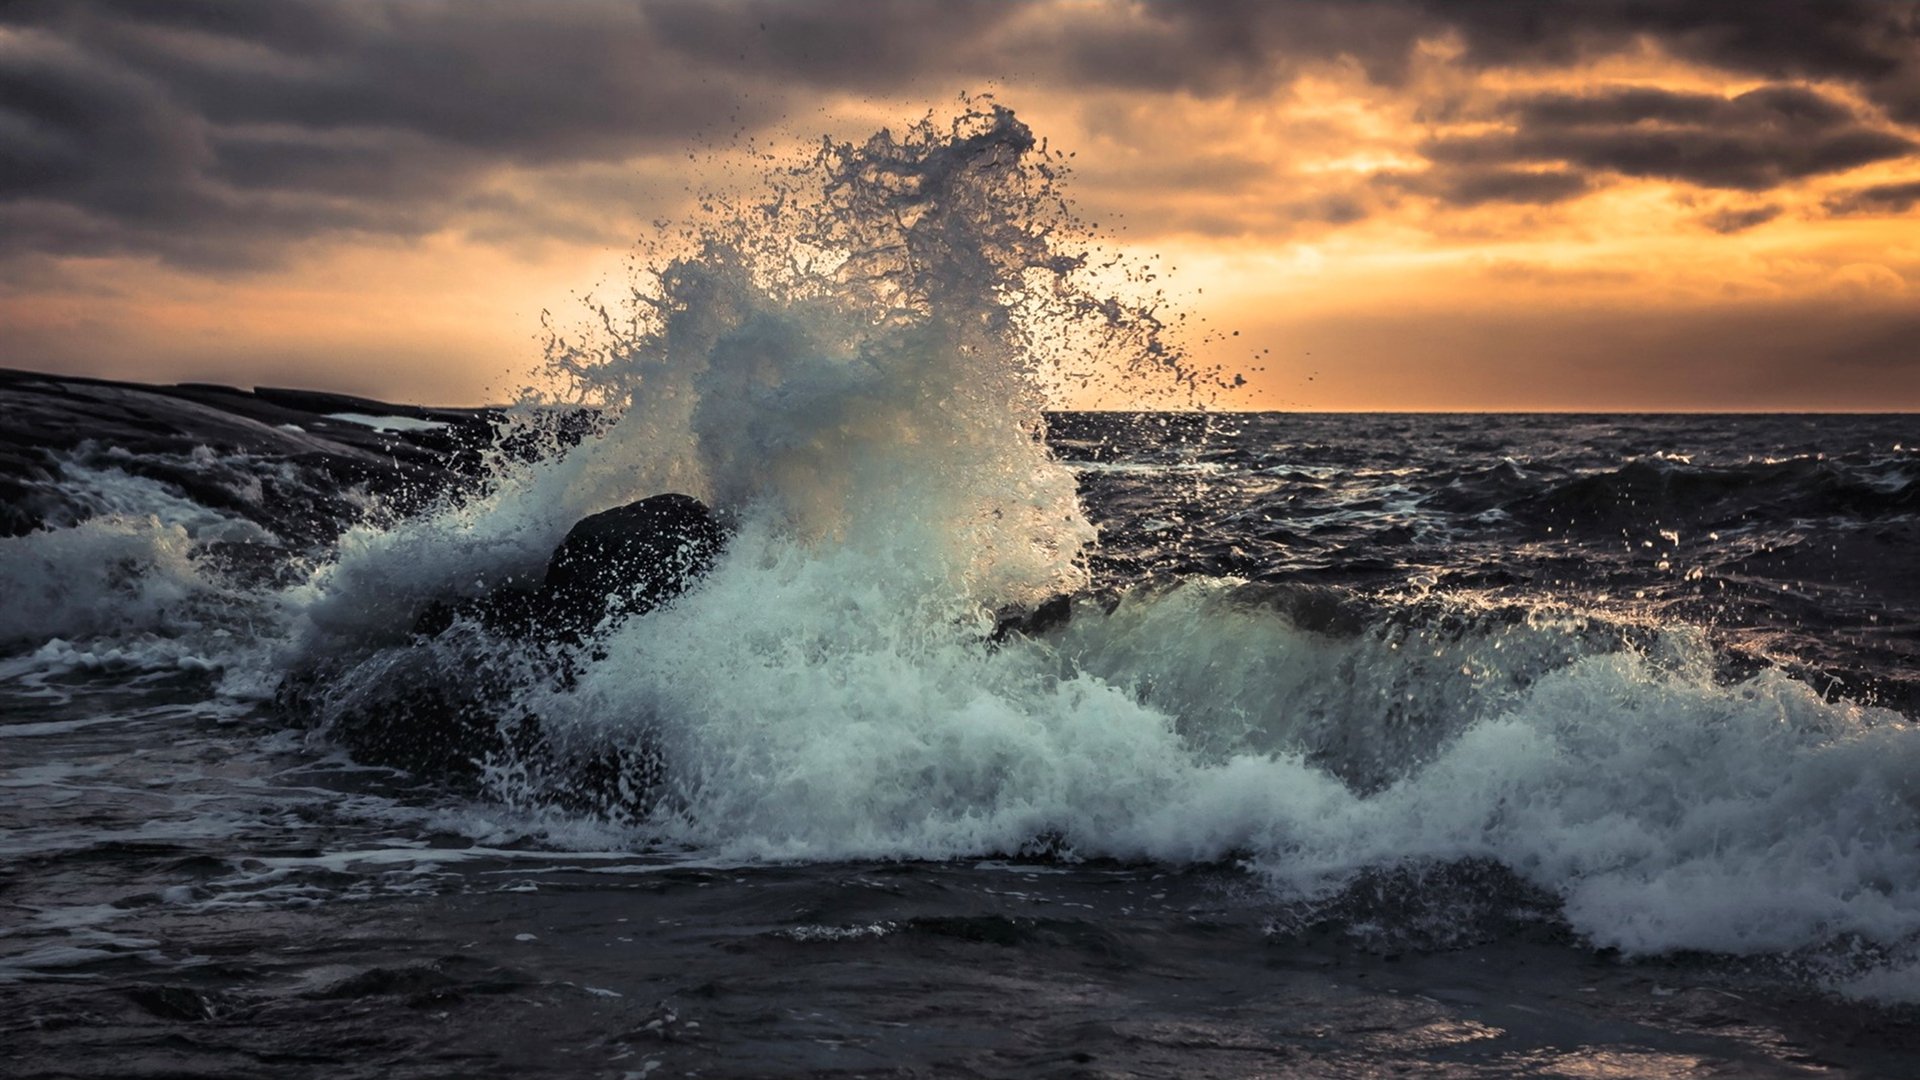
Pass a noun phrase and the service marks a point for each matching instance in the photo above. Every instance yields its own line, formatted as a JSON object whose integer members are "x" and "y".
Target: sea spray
{"x": 854, "y": 379}
{"x": 861, "y": 354}
{"x": 851, "y": 371}
{"x": 104, "y": 574}
{"x": 859, "y": 357}
{"x": 118, "y": 553}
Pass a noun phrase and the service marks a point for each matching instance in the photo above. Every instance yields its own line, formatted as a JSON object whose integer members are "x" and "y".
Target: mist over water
{"x": 1643, "y": 679}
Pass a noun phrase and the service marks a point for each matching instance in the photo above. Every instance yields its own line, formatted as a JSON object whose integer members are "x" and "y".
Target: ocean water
{"x": 1462, "y": 745}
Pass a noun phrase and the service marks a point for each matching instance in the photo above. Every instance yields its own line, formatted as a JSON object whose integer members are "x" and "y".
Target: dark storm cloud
{"x": 1730, "y": 221}
{"x": 1756, "y": 141}
{"x": 1775, "y": 135}
{"x": 1479, "y": 186}
{"x": 1878, "y": 199}
{"x": 1218, "y": 46}
{"x": 97, "y": 158}
{"x": 217, "y": 132}
{"x": 877, "y": 45}
{"x": 1872, "y": 44}
{"x": 214, "y": 133}
{"x": 530, "y": 80}
{"x": 1229, "y": 45}
{"x": 352, "y": 162}
{"x": 1770, "y": 106}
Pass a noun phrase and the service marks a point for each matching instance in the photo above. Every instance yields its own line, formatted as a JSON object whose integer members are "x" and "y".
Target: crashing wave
{"x": 852, "y": 374}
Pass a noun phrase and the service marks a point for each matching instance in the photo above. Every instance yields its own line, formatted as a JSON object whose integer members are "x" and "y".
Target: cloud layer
{"x": 214, "y": 134}
{"x": 1564, "y": 144}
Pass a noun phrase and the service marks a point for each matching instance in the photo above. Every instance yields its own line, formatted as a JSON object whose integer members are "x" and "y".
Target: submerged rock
{"x": 1051, "y": 615}
{"x": 440, "y": 707}
{"x": 624, "y": 561}
{"x": 628, "y": 560}
{"x": 449, "y": 702}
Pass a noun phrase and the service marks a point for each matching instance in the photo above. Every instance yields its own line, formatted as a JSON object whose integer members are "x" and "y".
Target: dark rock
{"x": 449, "y": 702}
{"x": 511, "y": 610}
{"x": 1318, "y": 609}
{"x": 447, "y": 708}
{"x": 626, "y": 561}
{"x": 439, "y": 708}
{"x": 285, "y": 443}
{"x": 630, "y": 559}
{"x": 1049, "y": 616}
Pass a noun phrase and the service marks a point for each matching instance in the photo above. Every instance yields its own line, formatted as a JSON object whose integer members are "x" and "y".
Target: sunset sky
{"x": 1408, "y": 204}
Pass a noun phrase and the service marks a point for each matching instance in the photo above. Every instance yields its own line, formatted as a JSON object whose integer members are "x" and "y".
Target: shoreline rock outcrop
{"x": 446, "y": 704}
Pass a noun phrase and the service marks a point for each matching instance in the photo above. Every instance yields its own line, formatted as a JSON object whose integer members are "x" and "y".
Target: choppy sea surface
{"x": 1491, "y": 745}
{"x": 994, "y": 742}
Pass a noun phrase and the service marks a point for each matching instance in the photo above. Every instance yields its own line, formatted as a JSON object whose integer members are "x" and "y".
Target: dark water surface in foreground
{"x": 188, "y": 899}
{"x": 192, "y": 889}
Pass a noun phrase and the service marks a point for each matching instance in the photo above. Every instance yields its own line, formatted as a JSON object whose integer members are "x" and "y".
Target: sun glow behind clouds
{"x": 1396, "y": 205}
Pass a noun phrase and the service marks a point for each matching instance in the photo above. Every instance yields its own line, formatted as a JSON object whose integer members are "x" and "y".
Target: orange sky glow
{"x": 1463, "y": 233}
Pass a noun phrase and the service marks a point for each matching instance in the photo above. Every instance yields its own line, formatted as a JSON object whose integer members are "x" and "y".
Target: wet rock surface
{"x": 630, "y": 560}
{"x": 444, "y": 705}
{"x": 314, "y": 448}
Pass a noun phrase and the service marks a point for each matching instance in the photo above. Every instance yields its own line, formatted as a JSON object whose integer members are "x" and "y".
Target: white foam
{"x": 802, "y": 719}
{"x": 54, "y": 727}
{"x": 118, "y": 579}
{"x": 106, "y": 574}
{"x": 388, "y": 423}
{"x": 812, "y": 932}
{"x": 848, "y": 407}
{"x": 826, "y": 692}
{"x": 94, "y": 483}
